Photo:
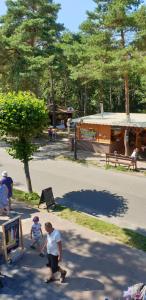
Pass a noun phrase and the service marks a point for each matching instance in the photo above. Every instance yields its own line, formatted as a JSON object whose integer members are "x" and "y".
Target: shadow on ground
{"x": 114, "y": 262}
{"x": 22, "y": 210}
{"x": 93, "y": 266}
{"x": 51, "y": 150}
{"x": 95, "y": 202}
{"x": 19, "y": 210}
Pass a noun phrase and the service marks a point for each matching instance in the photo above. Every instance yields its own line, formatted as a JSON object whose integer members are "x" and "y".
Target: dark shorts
{"x": 53, "y": 262}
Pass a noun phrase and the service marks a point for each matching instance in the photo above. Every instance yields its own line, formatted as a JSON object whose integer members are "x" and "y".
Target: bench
{"x": 118, "y": 159}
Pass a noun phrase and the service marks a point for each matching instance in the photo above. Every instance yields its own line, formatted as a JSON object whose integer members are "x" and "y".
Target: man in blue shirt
{"x": 9, "y": 183}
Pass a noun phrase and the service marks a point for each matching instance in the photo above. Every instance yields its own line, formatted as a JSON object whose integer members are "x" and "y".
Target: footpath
{"x": 61, "y": 149}
{"x": 97, "y": 266}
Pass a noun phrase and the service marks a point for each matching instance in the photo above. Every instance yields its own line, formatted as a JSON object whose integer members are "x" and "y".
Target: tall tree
{"x": 22, "y": 117}
{"x": 30, "y": 32}
{"x": 122, "y": 60}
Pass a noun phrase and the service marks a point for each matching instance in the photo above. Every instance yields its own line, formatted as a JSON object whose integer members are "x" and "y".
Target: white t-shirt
{"x": 36, "y": 230}
{"x": 68, "y": 122}
{"x": 52, "y": 242}
{"x": 134, "y": 154}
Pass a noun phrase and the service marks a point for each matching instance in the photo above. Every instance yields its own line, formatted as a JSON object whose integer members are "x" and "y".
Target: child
{"x": 36, "y": 235}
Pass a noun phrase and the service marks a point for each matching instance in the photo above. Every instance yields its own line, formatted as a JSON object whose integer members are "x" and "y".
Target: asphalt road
{"x": 119, "y": 198}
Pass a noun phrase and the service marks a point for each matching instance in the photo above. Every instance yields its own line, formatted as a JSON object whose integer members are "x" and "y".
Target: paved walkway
{"x": 113, "y": 196}
{"x": 62, "y": 148}
{"x": 97, "y": 266}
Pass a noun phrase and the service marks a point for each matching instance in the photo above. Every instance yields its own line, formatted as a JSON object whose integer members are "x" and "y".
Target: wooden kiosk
{"x": 104, "y": 133}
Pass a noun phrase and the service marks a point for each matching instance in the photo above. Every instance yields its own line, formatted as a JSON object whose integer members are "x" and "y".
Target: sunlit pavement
{"x": 96, "y": 266}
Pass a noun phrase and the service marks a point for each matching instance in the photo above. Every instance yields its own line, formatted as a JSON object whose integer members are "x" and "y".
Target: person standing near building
{"x": 54, "y": 252}
{"x": 134, "y": 156}
{"x": 54, "y": 134}
{"x": 68, "y": 126}
{"x": 9, "y": 184}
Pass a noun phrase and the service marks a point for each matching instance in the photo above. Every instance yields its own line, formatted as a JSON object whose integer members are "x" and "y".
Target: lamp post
{"x": 75, "y": 143}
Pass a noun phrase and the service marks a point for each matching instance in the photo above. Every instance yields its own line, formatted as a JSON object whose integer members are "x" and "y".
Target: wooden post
{"x": 4, "y": 244}
{"x": 138, "y": 141}
{"x": 75, "y": 143}
{"x": 21, "y": 236}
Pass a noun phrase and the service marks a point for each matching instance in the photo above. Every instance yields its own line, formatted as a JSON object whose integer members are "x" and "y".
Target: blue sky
{"x": 72, "y": 14}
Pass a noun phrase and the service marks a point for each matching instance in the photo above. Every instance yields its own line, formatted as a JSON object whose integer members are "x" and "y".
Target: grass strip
{"x": 126, "y": 236}
{"x": 29, "y": 198}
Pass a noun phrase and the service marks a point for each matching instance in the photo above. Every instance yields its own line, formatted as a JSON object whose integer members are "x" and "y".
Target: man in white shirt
{"x": 54, "y": 252}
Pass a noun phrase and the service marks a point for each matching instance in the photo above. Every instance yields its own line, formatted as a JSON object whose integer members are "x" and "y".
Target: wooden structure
{"x": 105, "y": 133}
{"x": 12, "y": 237}
{"x": 119, "y": 160}
{"x": 61, "y": 114}
{"x": 48, "y": 198}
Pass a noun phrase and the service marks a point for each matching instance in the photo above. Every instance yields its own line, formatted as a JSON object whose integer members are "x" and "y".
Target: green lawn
{"x": 125, "y": 236}
{"x": 29, "y": 198}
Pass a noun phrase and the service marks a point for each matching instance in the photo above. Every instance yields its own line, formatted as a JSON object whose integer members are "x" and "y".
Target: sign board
{"x": 12, "y": 236}
{"x": 88, "y": 134}
{"x": 116, "y": 128}
{"x": 47, "y": 197}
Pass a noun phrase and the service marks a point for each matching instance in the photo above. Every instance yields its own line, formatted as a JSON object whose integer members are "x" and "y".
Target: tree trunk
{"x": 126, "y": 142}
{"x": 126, "y": 134}
{"x": 53, "y": 100}
{"x": 126, "y": 94}
{"x": 126, "y": 84}
{"x": 27, "y": 175}
{"x": 75, "y": 143}
{"x": 80, "y": 103}
{"x": 85, "y": 101}
{"x": 110, "y": 92}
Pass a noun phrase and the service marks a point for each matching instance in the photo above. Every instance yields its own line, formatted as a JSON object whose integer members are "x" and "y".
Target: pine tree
{"x": 30, "y": 31}
{"x": 122, "y": 60}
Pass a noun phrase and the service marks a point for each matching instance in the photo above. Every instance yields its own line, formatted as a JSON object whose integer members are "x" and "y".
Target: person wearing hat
{"x": 9, "y": 184}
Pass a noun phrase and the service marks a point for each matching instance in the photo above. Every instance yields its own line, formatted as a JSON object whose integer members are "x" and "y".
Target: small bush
{"x": 32, "y": 198}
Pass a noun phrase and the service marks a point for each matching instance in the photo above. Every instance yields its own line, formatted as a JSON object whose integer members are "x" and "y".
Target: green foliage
{"x": 30, "y": 198}
{"x": 78, "y": 70}
{"x": 22, "y": 149}
{"x": 22, "y": 114}
{"x": 29, "y": 33}
{"x": 22, "y": 117}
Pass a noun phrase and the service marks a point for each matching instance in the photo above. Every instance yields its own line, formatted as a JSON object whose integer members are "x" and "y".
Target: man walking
{"x": 9, "y": 184}
{"x": 54, "y": 252}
